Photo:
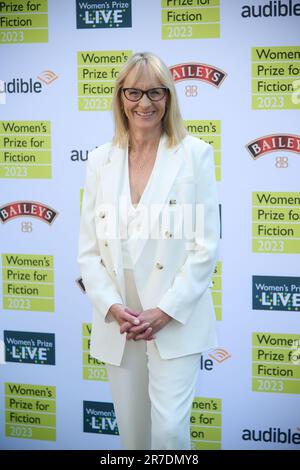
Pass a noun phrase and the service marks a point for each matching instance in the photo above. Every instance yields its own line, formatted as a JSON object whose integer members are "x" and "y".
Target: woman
{"x": 148, "y": 280}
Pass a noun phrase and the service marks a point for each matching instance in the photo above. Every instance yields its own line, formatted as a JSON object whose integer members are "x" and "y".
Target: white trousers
{"x": 152, "y": 396}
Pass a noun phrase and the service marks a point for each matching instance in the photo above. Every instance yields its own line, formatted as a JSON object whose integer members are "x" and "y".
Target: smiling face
{"x": 143, "y": 115}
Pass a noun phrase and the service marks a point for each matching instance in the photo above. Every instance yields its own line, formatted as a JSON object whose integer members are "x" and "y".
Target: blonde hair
{"x": 172, "y": 123}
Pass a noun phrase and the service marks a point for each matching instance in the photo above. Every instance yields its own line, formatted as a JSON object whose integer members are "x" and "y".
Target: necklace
{"x": 139, "y": 162}
{"x": 139, "y": 174}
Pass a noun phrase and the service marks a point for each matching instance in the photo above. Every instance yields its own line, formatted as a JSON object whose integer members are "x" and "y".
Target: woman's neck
{"x": 143, "y": 141}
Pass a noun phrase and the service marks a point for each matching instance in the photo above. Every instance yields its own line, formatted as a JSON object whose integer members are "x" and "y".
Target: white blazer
{"x": 171, "y": 273}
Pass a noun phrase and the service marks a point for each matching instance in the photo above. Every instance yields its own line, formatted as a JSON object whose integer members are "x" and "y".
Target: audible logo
{"x": 217, "y": 356}
{"x": 107, "y": 14}
{"x": 20, "y": 85}
{"x": 271, "y": 9}
{"x": 272, "y": 435}
{"x": 47, "y": 76}
{"x": 79, "y": 155}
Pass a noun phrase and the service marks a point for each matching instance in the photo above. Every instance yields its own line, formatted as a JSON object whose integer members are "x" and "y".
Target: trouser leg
{"x": 129, "y": 384}
{"x": 129, "y": 390}
{"x": 172, "y": 385}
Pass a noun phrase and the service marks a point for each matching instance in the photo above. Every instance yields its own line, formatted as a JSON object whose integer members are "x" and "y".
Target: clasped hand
{"x": 140, "y": 325}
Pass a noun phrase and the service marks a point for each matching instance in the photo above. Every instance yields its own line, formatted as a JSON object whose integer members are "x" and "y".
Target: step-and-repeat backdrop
{"x": 236, "y": 65}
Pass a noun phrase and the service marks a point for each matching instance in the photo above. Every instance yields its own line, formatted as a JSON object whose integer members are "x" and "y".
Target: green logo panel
{"x": 30, "y": 411}
{"x": 216, "y": 290}
{"x": 96, "y": 74}
{"x": 190, "y": 22}
{"x": 206, "y": 423}
{"x": 25, "y": 149}
{"x": 28, "y": 282}
{"x": 28, "y": 24}
{"x": 276, "y": 222}
{"x": 92, "y": 368}
{"x": 276, "y": 363}
{"x": 210, "y": 132}
{"x": 275, "y": 78}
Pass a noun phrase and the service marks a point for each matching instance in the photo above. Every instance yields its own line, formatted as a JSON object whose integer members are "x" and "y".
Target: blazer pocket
{"x": 183, "y": 190}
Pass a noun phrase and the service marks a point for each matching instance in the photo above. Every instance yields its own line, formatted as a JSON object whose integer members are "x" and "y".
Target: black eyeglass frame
{"x": 145, "y": 92}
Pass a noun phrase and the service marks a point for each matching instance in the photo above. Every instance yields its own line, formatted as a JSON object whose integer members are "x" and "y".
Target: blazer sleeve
{"x": 98, "y": 285}
{"x": 194, "y": 277}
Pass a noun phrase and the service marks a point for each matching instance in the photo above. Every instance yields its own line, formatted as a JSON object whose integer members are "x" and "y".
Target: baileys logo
{"x": 272, "y": 143}
{"x": 197, "y": 71}
{"x": 35, "y": 209}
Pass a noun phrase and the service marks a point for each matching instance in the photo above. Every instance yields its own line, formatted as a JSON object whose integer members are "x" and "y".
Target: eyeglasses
{"x": 154, "y": 94}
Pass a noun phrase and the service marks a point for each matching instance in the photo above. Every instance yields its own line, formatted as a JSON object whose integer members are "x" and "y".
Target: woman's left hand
{"x": 156, "y": 318}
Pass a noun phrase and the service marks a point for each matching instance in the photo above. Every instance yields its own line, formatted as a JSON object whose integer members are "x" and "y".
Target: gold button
{"x": 172, "y": 201}
{"x": 159, "y": 266}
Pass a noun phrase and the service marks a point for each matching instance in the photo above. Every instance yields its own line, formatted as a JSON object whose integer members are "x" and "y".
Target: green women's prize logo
{"x": 25, "y": 149}
{"x": 30, "y": 411}
{"x": 276, "y": 77}
{"x": 275, "y": 222}
{"x": 206, "y": 424}
{"x": 210, "y": 132}
{"x": 97, "y": 73}
{"x": 190, "y": 19}
{"x": 276, "y": 363}
{"x": 92, "y": 368}
{"x": 23, "y": 21}
{"x": 28, "y": 282}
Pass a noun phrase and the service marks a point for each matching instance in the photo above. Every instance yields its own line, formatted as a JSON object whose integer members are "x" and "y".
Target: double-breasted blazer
{"x": 172, "y": 270}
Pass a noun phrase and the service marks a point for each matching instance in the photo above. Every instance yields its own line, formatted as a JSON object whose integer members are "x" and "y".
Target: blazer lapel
{"x": 168, "y": 164}
{"x": 111, "y": 181}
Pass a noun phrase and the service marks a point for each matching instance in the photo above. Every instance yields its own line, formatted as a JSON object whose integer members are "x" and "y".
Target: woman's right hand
{"x": 126, "y": 317}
